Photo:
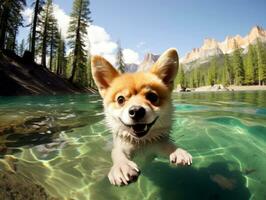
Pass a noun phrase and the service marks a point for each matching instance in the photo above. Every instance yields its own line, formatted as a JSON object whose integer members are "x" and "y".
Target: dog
{"x": 138, "y": 111}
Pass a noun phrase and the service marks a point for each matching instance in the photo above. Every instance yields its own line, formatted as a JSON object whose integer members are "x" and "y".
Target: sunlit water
{"x": 61, "y": 143}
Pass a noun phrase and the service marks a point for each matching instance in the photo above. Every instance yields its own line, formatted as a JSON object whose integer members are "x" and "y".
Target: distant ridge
{"x": 148, "y": 61}
{"x": 211, "y": 47}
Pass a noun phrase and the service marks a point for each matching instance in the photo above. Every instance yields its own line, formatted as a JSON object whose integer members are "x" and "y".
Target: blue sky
{"x": 155, "y": 25}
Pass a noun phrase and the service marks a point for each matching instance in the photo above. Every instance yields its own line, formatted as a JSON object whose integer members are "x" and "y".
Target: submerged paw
{"x": 180, "y": 157}
{"x": 123, "y": 174}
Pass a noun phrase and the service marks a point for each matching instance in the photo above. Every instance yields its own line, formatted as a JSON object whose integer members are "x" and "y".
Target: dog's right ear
{"x": 103, "y": 73}
{"x": 166, "y": 67}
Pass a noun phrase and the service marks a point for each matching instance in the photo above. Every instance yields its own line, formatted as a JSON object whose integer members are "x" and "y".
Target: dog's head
{"x": 137, "y": 105}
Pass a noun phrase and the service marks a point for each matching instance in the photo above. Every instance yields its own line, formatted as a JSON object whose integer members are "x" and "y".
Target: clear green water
{"x": 61, "y": 143}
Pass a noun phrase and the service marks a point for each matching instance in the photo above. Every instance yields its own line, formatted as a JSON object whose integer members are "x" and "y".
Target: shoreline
{"x": 221, "y": 88}
{"x": 247, "y": 88}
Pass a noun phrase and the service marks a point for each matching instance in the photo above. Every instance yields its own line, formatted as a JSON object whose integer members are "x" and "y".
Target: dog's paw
{"x": 123, "y": 173}
{"x": 180, "y": 157}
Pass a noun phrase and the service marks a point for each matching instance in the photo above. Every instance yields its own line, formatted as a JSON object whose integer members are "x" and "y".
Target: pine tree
{"x": 230, "y": 68}
{"x": 238, "y": 67}
{"x": 69, "y": 61}
{"x": 181, "y": 77}
{"x": 120, "y": 63}
{"x": 10, "y": 20}
{"x": 11, "y": 41}
{"x": 90, "y": 79}
{"x": 250, "y": 69}
{"x": 60, "y": 55}
{"x": 47, "y": 34}
{"x": 227, "y": 76}
{"x": 202, "y": 79}
{"x": 21, "y": 48}
{"x": 261, "y": 53}
{"x": 212, "y": 72}
{"x": 53, "y": 40}
{"x": 79, "y": 22}
{"x": 209, "y": 77}
{"x": 38, "y": 5}
{"x": 191, "y": 80}
{"x": 91, "y": 82}
{"x": 196, "y": 78}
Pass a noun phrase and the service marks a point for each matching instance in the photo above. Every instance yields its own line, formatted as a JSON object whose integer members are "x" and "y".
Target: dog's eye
{"x": 120, "y": 100}
{"x": 152, "y": 97}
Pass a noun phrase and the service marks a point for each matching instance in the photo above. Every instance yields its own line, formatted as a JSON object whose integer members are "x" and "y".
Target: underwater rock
{"x": 248, "y": 171}
{"x": 224, "y": 182}
{"x": 15, "y": 186}
{"x": 37, "y": 128}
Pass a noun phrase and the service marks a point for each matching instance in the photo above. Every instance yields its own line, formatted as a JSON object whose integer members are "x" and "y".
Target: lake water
{"x": 61, "y": 144}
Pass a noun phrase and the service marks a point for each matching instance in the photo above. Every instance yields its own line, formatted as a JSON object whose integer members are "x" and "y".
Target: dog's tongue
{"x": 139, "y": 127}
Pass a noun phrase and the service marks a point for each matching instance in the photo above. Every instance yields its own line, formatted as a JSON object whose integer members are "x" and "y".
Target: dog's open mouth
{"x": 140, "y": 129}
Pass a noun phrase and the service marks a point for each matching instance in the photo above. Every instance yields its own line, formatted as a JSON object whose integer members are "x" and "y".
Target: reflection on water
{"x": 61, "y": 144}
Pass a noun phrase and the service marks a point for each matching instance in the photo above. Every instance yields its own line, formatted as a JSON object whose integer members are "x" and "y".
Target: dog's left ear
{"x": 166, "y": 67}
{"x": 103, "y": 73}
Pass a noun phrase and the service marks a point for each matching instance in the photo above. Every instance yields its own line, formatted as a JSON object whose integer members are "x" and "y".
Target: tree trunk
{"x": 44, "y": 43}
{"x": 58, "y": 62}
{"x": 51, "y": 56}
{"x": 51, "y": 49}
{"x": 3, "y": 27}
{"x": 43, "y": 62}
{"x": 74, "y": 68}
{"x": 13, "y": 44}
{"x": 33, "y": 36}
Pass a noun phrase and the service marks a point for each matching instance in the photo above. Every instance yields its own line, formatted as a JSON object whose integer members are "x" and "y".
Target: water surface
{"x": 61, "y": 144}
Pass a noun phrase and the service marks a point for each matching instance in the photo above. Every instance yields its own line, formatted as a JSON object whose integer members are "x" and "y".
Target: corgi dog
{"x": 138, "y": 111}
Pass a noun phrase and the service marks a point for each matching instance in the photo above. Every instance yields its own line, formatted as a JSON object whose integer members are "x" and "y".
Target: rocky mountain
{"x": 211, "y": 47}
{"x": 148, "y": 61}
{"x": 131, "y": 67}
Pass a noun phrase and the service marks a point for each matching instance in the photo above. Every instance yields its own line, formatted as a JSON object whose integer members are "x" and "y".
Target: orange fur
{"x": 144, "y": 93}
{"x": 137, "y": 84}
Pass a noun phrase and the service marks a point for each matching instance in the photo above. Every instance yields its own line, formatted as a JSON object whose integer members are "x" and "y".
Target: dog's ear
{"x": 103, "y": 73}
{"x": 166, "y": 67}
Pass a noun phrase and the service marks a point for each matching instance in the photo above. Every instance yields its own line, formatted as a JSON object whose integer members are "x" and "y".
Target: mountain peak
{"x": 149, "y": 60}
{"x": 150, "y": 57}
{"x": 212, "y": 47}
{"x": 210, "y": 43}
{"x": 256, "y": 32}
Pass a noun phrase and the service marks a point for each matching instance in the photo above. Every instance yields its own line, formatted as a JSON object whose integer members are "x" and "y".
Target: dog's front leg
{"x": 176, "y": 155}
{"x": 123, "y": 171}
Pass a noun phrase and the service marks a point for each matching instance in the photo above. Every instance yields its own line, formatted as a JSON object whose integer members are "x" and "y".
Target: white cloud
{"x": 27, "y": 14}
{"x": 62, "y": 19}
{"x": 99, "y": 34}
{"x": 100, "y": 43}
{"x": 98, "y": 40}
{"x": 131, "y": 56}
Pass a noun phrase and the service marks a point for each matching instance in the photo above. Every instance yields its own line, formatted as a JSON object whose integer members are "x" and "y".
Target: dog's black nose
{"x": 136, "y": 112}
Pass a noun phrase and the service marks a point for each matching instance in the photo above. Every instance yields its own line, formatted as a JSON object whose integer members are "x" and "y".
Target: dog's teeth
{"x": 146, "y": 128}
